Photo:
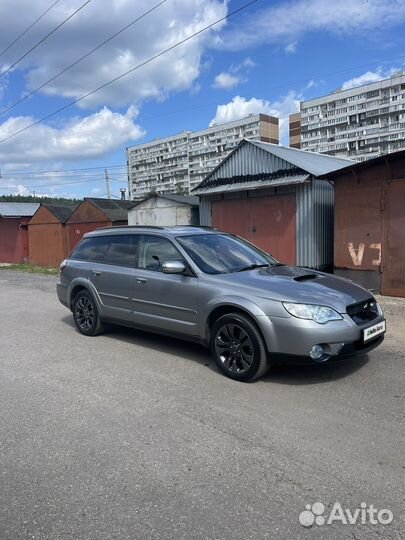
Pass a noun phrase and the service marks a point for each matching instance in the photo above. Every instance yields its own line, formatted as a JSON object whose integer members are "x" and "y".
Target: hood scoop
{"x": 306, "y": 277}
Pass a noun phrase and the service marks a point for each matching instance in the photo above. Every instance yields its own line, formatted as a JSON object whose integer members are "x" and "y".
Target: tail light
{"x": 62, "y": 265}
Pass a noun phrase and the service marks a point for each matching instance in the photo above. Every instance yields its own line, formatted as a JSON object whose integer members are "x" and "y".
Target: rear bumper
{"x": 62, "y": 292}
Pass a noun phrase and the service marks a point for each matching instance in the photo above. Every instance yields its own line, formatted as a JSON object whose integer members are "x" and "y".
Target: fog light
{"x": 316, "y": 352}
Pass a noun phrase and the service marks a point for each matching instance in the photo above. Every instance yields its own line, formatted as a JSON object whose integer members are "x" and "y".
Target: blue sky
{"x": 264, "y": 59}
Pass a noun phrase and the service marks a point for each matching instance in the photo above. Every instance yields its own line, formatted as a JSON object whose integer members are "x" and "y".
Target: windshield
{"x": 222, "y": 254}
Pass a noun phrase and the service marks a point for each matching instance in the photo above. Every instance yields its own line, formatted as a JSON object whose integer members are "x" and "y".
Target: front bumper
{"x": 348, "y": 351}
{"x": 290, "y": 338}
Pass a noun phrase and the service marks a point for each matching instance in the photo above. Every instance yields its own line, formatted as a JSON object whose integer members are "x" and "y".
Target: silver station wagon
{"x": 215, "y": 288}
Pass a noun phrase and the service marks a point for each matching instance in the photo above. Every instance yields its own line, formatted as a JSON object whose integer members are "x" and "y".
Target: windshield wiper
{"x": 252, "y": 267}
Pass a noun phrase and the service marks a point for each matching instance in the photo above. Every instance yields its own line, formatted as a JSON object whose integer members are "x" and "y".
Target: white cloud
{"x": 226, "y": 81}
{"x": 82, "y": 138}
{"x": 245, "y": 65}
{"x": 241, "y": 107}
{"x": 173, "y": 21}
{"x": 368, "y": 77}
{"x": 291, "y": 48}
{"x": 235, "y": 75}
{"x": 288, "y": 21}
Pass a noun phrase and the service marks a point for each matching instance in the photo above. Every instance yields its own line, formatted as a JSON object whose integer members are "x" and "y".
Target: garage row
{"x": 304, "y": 208}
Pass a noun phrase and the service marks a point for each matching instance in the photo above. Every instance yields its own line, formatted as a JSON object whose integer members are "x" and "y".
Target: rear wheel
{"x": 85, "y": 314}
{"x": 238, "y": 347}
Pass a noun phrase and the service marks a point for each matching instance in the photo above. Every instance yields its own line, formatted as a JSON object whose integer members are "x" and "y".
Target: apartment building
{"x": 359, "y": 123}
{"x": 295, "y": 130}
{"x": 178, "y": 163}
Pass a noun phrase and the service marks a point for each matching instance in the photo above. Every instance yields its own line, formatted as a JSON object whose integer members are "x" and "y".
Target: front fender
{"x": 239, "y": 302}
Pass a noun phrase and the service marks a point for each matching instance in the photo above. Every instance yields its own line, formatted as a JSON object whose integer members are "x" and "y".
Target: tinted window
{"x": 220, "y": 253}
{"x": 91, "y": 249}
{"x": 155, "y": 251}
{"x": 122, "y": 250}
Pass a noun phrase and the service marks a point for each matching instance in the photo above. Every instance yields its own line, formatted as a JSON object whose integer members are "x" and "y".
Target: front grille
{"x": 363, "y": 312}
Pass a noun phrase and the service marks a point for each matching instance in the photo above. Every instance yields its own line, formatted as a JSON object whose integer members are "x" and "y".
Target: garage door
{"x": 268, "y": 222}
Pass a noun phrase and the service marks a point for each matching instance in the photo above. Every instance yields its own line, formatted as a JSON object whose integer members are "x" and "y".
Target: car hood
{"x": 295, "y": 284}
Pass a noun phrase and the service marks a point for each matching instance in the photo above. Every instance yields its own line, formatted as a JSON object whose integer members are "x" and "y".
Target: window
{"x": 222, "y": 254}
{"x": 154, "y": 251}
{"x": 91, "y": 249}
{"x": 122, "y": 250}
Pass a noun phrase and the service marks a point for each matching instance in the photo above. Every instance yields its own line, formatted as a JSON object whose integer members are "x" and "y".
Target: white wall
{"x": 161, "y": 212}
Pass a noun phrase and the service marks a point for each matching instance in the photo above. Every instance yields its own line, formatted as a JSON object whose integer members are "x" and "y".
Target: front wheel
{"x": 238, "y": 348}
{"x": 85, "y": 314}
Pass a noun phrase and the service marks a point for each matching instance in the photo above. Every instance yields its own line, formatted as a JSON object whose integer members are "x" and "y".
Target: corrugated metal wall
{"x": 314, "y": 219}
{"x": 315, "y": 225}
{"x": 206, "y": 211}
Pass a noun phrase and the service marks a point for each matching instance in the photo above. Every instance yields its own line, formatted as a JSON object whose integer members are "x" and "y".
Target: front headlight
{"x": 319, "y": 314}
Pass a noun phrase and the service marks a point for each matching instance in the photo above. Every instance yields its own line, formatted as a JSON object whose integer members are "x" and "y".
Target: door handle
{"x": 141, "y": 280}
{"x": 96, "y": 273}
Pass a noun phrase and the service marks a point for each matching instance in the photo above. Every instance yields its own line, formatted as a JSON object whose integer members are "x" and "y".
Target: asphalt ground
{"x": 131, "y": 435}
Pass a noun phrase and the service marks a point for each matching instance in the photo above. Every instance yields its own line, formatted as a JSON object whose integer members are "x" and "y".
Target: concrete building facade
{"x": 295, "y": 130}
{"x": 179, "y": 163}
{"x": 358, "y": 123}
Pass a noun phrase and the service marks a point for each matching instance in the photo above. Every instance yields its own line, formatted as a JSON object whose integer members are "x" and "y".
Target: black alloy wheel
{"x": 85, "y": 314}
{"x": 238, "y": 347}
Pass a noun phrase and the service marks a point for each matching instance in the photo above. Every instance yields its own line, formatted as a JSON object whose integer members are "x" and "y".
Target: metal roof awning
{"x": 224, "y": 186}
{"x": 17, "y": 210}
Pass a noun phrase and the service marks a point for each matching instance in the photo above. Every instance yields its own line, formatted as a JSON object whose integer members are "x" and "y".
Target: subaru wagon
{"x": 220, "y": 290}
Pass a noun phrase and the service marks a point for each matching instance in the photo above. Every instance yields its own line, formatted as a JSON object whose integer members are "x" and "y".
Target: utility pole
{"x": 107, "y": 184}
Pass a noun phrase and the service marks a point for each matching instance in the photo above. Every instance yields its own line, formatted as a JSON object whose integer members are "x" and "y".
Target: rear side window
{"x": 122, "y": 251}
{"x": 91, "y": 249}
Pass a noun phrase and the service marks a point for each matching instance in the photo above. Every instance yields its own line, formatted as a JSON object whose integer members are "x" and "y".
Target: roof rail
{"x": 112, "y": 228}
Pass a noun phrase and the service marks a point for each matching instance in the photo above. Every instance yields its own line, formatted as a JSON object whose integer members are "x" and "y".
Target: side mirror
{"x": 173, "y": 267}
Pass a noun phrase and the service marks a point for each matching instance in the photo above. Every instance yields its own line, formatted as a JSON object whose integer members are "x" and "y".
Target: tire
{"x": 85, "y": 314}
{"x": 238, "y": 348}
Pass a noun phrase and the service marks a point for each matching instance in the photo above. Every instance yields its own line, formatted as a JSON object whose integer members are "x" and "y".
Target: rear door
{"x": 114, "y": 277}
{"x": 167, "y": 301}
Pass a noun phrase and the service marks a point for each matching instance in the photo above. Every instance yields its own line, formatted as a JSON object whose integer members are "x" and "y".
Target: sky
{"x": 265, "y": 58}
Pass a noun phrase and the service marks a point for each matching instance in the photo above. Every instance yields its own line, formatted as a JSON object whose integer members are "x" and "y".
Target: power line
{"x": 41, "y": 177}
{"x": 44, "y": 38}
{"x": 263, "y": 91}
{"x": 67, "y": 170}
{"x": 82, "y": 57}
{"x": 29, "y": 28}
{"x": 57, "y": 184}
{"x": 115, "y": 79}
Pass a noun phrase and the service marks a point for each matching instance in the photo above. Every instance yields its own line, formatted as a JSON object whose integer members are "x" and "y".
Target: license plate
{"x": 373, "y": 331}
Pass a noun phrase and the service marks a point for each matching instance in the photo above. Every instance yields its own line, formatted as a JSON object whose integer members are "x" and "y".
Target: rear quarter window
{"x": 91, "y": 249}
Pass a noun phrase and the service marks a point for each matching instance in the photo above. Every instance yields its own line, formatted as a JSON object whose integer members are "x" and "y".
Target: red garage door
{"x": 268, "y": 222}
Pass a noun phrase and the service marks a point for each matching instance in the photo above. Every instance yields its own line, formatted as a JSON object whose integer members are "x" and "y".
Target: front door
{"x": 166, "y": 301}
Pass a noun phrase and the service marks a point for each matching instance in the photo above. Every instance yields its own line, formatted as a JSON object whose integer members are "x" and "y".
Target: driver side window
{"x": 154, "y": 251}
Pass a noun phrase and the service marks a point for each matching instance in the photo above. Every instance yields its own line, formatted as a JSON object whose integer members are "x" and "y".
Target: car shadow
{"x": 315, "y": 373}
{"x": 188, "y": 350}
{"x": 278, "y": 374}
